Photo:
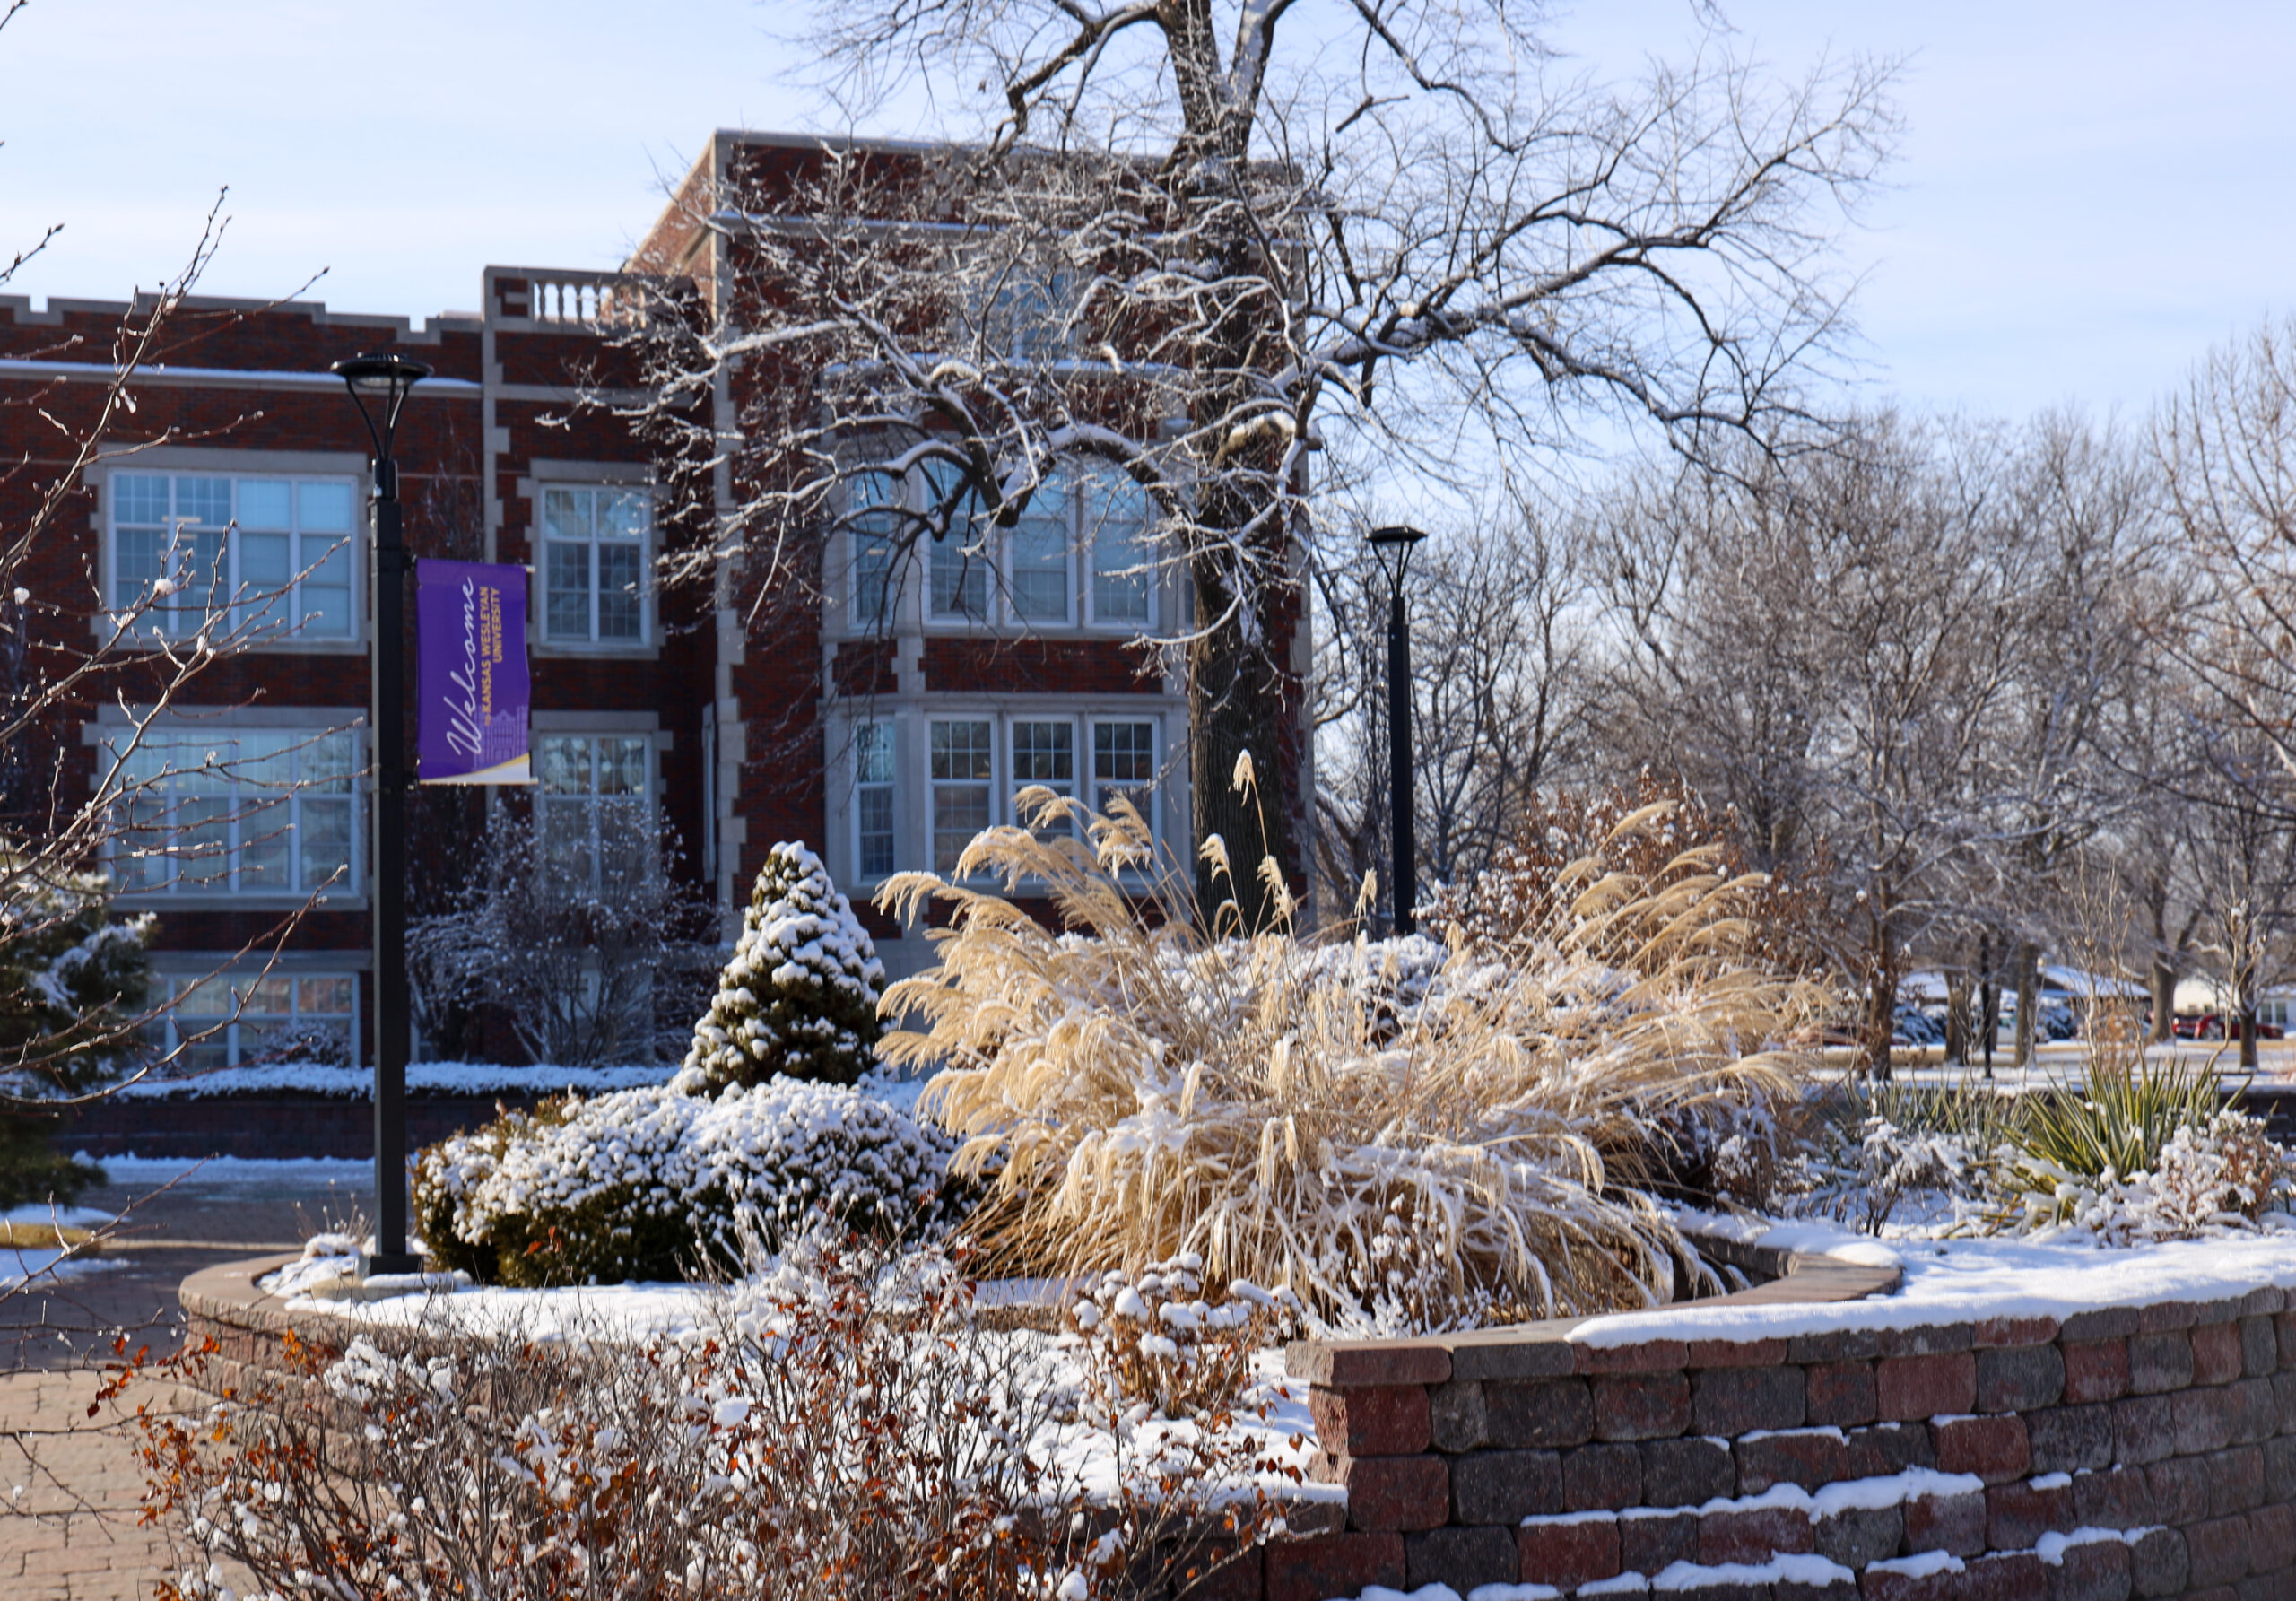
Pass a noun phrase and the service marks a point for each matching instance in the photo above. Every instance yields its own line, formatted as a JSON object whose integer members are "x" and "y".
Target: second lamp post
{"x": 1392, "y": 547}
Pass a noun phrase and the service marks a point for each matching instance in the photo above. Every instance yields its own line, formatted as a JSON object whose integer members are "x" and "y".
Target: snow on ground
{"x": 68, "y": 1217}
{"x": 150, "y": 1172}
{"x": 422, "y": 1078}
{"x": 18, "y": 1268}
{"x": 1957, "y": 1281}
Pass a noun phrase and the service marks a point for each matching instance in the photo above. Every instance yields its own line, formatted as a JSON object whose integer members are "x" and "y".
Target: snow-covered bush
{"x": 840, "y": 1427}
{"x": 799, "y": 995}
{"x": 1876, "y": 1147}
{"x": 2221, "y": 1174}
{"x": 1133, "y": 1092}
{"x": 72, "y": 988}
{"x": 651, "y": 1183}
{"x": 1157, "y": 1339}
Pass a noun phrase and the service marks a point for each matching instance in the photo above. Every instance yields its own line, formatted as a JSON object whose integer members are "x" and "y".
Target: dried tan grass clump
{"x": 1132, "y": 1090}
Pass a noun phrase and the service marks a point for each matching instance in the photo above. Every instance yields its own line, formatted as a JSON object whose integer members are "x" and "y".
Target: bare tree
{"x": 1185, "y": 242}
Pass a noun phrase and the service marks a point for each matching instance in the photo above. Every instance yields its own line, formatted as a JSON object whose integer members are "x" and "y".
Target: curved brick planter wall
{"x": 2142, "y": 1452}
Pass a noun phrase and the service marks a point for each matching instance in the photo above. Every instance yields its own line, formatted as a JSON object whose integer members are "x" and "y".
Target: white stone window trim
{"x": 543, "y": 476}
{"x": 172, "y": 970}
{"x": 914, "y": 784}
{"x": 910, "y": 601}
{"x": 191, "y": 460}
{"x": 135, "y": 725}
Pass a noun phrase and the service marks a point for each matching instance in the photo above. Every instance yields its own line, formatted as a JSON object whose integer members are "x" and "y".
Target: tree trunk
{"x": 2164, "y": 1000}
{"x": 1882, "y": 993}
{"x": 2028, "y": 1000}
{"x": 1958, "y": 1031}
{"x": 1237, "y": 708}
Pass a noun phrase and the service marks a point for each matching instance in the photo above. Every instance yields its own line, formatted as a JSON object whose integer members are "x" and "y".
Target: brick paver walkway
{"x": 75, "y": 1531}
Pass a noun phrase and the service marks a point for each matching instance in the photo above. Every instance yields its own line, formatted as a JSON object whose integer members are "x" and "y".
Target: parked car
{"x": 1913, "y": 1026}
{"x": 2218, "y": 1025}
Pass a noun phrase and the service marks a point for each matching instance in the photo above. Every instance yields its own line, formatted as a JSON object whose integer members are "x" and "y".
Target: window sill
{"x": 559, "y": 650}
{"x": 145, "y": 643}
{"x": 148, "y": 901}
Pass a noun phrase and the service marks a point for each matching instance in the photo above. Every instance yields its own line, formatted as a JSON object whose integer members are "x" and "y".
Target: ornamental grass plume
{"x": 1134, "y": 1089}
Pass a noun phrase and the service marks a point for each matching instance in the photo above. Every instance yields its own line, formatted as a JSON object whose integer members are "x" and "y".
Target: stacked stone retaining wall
{"x": 2139, "y": 1451}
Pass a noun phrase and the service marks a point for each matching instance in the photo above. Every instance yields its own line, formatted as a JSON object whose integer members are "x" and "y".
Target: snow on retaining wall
{"x": 2119, "y": 1451}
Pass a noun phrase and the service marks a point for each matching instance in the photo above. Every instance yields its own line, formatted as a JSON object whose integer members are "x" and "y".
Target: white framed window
{"x": 874, "y": 798}
{"x": 594, "y": 805}
{"x": 1043, "y": 753}
{"x": 963, "y": 785}
{"x": 1081, "y": 552}
{"x": 224, "y": 1022}
{"x": 877, "y": 548}
{"x": 1124, "y": 762}
{"x": 1115, "y": 522}
{"x": 596, "y": 540}
{"x": 977, "y": 765}
{"x": 270, "y": 553}
{"x": 238, "y": 811}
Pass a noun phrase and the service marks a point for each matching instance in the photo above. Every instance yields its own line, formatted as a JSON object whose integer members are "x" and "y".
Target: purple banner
{"x": 471, "y": 687}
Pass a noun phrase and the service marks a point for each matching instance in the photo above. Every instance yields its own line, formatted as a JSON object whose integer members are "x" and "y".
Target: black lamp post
{"x": 1392, "y": 547}
{"x": 385, "y": 381}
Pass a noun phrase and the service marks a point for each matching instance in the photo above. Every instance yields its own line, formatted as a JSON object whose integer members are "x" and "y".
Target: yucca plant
{"x": 2115, "y": 1124}
{"x": 1135, "y": 1088}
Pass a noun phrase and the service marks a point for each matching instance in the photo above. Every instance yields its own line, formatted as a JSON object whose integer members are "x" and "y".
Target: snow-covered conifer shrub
{"x": 649, "y": 1184}
{"x": 73, "y": 990}
{"x": 1132, "y": 1091}
{"x": 798, "y": 998}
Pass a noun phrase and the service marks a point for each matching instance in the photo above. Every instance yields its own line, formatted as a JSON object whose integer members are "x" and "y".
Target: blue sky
{"x": 2088, "y": 196}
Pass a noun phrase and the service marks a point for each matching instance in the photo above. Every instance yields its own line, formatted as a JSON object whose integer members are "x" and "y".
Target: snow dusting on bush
{"x": 647, "y": 1184}
{"x": 799, "y": 995}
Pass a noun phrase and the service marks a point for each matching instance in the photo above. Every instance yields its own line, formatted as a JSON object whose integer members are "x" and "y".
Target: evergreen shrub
{"x": 799, "y": 995}
{"x": 648, "y": 1184}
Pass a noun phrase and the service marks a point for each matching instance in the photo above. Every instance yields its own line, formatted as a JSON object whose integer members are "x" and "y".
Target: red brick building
{"x": 882, "y": 725}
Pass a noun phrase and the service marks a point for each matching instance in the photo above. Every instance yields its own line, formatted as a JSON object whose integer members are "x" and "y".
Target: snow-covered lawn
{"x": 422, "y": 1078}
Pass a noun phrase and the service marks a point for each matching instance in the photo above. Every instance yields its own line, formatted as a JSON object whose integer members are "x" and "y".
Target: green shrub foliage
{"x": 799, "y": 997}
{"x": 648, "y": 1184}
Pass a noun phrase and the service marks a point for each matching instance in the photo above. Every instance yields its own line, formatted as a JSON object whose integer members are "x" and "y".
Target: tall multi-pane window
{"x": 1038, "y": 558}
{"x": 1124, "y": 764}
{"x": 873, "y": 768}
{"x": 594, "y": 564}
{"x": 1045, "y": 753}
{"x": 963, "y": 772}
{"x": 272, "y": 555}
{"x": 1117, "y": 524}
{"x": 959, "y": 560}
{"x": 237, "y": 811}
{"x": 594, "y": 805}
{"x": 238, "y": 1022}
{"x": 876, "y": 546}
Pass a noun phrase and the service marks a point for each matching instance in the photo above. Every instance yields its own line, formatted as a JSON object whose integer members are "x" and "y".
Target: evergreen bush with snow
{"x": 72, "y": 983}
{"x": 799, "y": 997}
{"x": 648, "y": 1184}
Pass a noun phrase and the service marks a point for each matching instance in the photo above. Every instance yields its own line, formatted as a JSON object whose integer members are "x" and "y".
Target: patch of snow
{"x": 2051, "y": 1547}
{"x": 1922, "y": 1564}
{"x": 67, "y": 1217}
{"x": 1803, "y": 1568}
{"x": 2053, "y": 1481}
{"x": 1625, "y": 1584}
{"x": 1957, "y": 1281}
{"x": 152, "y": 1171}
{"x": 19, "y": 1269}
{"x": 422, "y": 1078}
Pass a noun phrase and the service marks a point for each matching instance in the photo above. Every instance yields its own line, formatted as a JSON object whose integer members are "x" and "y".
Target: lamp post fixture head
{"x": 1392, "y": 547}
{"x": 386, "y": 378}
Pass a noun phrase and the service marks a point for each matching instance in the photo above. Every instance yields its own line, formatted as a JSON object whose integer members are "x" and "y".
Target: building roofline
{"x": 402, "y": 329}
